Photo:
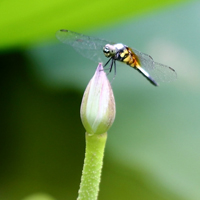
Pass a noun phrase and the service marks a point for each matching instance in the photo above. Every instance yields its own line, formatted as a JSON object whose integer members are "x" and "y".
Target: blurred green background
{"x": 153, "y": 147}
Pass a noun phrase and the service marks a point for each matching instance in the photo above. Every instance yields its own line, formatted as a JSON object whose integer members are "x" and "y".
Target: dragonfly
{"x": 98, "y": 49}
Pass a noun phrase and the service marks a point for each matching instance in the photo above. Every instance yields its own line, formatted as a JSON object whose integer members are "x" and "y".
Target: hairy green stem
{"x": 91, "y": 175}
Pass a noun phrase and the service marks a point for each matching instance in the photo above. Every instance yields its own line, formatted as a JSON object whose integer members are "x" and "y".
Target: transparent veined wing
{"x": 89, "y": 47}
{"x": 158, "y": 71}
{"x": 162, "y": 73}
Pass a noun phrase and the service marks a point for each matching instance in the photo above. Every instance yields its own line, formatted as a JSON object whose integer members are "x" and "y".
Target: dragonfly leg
{"x": 111, "y": 66}
{"x": 107, "y": 62}
{"x": 114, "y": 61}
{"x": 115, "y": 69}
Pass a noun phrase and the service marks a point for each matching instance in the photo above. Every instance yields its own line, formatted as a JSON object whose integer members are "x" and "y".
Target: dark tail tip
{"x": 147, "y": 76}
{"x": 152, "y": 81}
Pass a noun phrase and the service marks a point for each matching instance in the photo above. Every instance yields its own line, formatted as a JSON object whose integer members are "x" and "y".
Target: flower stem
{"x": 91, "y": 175}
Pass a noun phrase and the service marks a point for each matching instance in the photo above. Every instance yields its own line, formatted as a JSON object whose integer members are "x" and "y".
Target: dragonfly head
{"x": 109, "y": 50}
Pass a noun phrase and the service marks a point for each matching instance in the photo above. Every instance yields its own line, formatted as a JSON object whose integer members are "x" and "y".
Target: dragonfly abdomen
{"x": 127, "y": 57}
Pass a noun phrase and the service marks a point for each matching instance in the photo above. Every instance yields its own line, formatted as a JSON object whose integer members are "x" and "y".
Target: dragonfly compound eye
{"x": 106, "y": 51}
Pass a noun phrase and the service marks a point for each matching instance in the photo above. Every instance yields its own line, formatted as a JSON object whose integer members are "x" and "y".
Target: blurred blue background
{"x": 153, "y": 147}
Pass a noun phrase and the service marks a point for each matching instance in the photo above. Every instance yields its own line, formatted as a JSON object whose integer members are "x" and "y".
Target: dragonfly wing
{"x": 144, "y": 59}
{"x": 163, "y": 73}
{"x": 159, "y": 72}
{"x": 87, "y": 46}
